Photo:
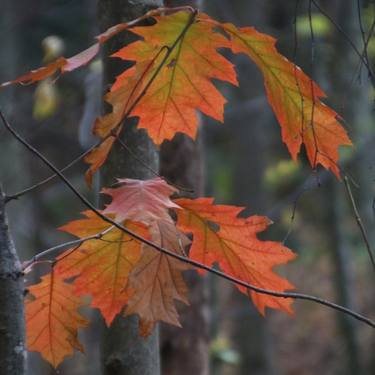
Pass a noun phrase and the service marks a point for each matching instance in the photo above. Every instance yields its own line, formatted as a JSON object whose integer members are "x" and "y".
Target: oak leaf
{"x": 142, "y": 201}
{"x": 157, "y": 279}
{"x": 102, "y": 266}
{"x": 220, "y": 236}
{"x": 52, "y": 319}
{"x": 295, "y": 99}
{"x": 183, "y": 84}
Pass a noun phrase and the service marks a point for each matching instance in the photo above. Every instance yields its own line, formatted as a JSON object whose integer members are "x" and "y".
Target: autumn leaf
{"x": 220, "y": 236}
{"x": 295, "y": 99}
{"x": 183, "y": 84}
{"x": 157, "y": 279}
{"x": 102, "y": 266}
{"x": 142, "y": 201}
{"x": 52, "y": 319}
{"x": 60, "y": 65}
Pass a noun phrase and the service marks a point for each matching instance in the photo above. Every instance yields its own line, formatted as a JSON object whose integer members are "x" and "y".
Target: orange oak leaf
{"x": 142, "y": 201}
{"x": 183, "y": 84}
{"x": 157, "y": 279}
{"x": 294, "y": 98}
{"x": 235, "y": 247}
{"x": 52, "y": 319}
{"x": 102, "y": 266}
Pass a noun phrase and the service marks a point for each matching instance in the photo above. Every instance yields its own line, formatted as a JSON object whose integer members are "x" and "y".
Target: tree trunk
{"x": 181, "y": 163}
{"x": 12, "y": 322}
{"x": 124, "y": 351}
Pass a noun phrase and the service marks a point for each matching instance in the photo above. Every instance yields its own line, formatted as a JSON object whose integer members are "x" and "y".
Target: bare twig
{"x": 359, "y": 221}
{"x": 312, "y": 59}
{"x": 51, "y": 250}
{"x": 174, "y": 255}
{"x": 14, "y": 196}
{"x": 348, "y": 39}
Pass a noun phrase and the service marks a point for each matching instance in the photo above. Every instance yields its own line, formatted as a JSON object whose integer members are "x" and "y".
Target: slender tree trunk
{"x": 356, "y": 113}
{"x": 124, "y": 351}
{"x": 185, "y": 350}
{"x": 12, "y": 322}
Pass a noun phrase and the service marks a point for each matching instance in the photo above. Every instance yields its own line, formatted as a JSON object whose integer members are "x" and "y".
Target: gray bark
{"x": 181, "y": 163}
{"x": 124, "y": 351}
{"x": 12, "y": 323}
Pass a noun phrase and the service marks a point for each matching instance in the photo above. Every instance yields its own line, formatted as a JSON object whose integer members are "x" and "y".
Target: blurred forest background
{"x": 245, "y": 163}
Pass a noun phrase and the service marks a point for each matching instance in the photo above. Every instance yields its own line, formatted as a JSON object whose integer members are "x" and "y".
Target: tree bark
{"x": 124, "y": 352}
{"x": 12, "y": 322}
{"x": 181, "y": 163}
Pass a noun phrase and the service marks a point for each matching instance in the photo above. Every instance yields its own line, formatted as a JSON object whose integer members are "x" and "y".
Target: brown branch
{"x": 174, "y": 255}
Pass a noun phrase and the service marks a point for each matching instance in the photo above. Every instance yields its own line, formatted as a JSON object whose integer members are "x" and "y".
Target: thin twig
{"x": 346, "y": 36}
{"x": 144, "y": 164}
{"x": 80, "y": 241}
{"x": 14, "y": 196}
{"x": 364, "y": 54}
{"x": 312, "y": 59}
{"x": 363, "y": 35}
{"x": 293, "y": 216}
{"x": 359, "y": 221}
{"x": 174, "y": 255}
